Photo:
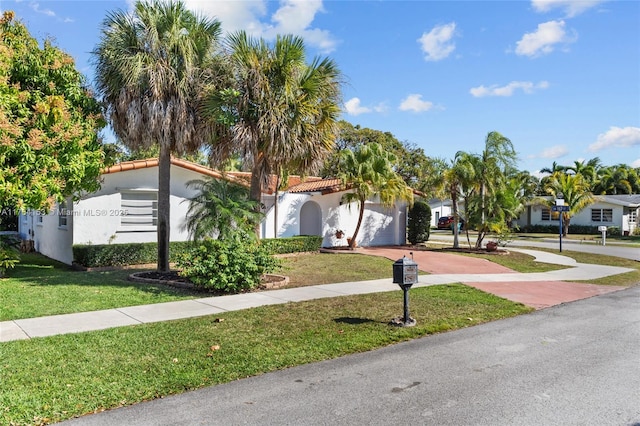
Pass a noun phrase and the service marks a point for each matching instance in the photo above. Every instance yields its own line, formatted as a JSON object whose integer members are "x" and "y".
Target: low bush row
{"x": 573, "y": 229}
{"x": 92, "y": 256}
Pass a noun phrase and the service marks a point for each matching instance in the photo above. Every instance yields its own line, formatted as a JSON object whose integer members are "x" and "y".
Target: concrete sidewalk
{"x": 536, "y": 289}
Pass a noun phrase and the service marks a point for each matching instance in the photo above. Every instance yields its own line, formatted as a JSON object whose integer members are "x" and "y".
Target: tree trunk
{"x": 275, "y": 208}
{"x": 164, "y": 207}
{"x": 352, "y": 243}
{"x": 454, "y": 205}
{"x": 255, "y": 194}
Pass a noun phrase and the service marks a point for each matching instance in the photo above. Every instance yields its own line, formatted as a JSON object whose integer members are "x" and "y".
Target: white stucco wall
{"x": 380, "y": 225}
{"x": 96, "y": 217}
{"x": 49, "y": 238}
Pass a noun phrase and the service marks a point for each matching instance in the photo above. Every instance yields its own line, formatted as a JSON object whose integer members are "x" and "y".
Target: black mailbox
{"x": 405, "y": 272}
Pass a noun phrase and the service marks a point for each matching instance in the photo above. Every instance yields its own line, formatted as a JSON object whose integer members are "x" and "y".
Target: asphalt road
{"x": 574, "y": 364}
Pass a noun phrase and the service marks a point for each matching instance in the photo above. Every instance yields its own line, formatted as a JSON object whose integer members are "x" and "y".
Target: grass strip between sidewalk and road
{"x": 45, "y": 380}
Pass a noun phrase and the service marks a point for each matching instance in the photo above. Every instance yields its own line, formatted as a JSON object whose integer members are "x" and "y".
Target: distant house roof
{"x": 241, "y": 178}
{"x": 625, "y": 200}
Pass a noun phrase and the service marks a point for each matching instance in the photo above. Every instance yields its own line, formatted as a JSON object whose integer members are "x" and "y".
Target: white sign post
{"x": 603, "y": 229}
{"x": 559, "y": 208}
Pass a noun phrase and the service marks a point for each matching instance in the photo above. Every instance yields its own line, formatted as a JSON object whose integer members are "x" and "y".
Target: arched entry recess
{"x": 311, "y": 219}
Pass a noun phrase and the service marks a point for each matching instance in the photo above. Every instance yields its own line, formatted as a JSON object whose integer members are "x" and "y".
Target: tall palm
{"x": 588, "y": 169}
{"x": 575, "y": 191}
{"x": 618, "y": 179}
{"x": 498, "y": 155}
{"x": 368, "y": 171}
{"x": 491, "y": 166}
{"x": 151, "y": 65}
{"x": 456, "y": 180}
{"x": 220, "y": 209}
{"x": 555, "y": 167}
{"x": 283, "y": 112}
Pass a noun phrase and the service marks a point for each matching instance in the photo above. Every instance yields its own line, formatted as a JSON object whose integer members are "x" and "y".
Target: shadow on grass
{"x": 40, "y": 271}
{"x": 353, "y": 321}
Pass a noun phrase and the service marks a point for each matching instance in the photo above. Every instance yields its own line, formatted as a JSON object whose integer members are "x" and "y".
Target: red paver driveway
{"x": 537, "y": 294}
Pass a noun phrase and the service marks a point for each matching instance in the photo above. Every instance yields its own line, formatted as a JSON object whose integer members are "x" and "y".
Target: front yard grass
{"x": 39, "y": 286}
{"x": 45, "y": 380}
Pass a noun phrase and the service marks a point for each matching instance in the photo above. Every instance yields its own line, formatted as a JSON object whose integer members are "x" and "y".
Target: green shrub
{"x": 9, "y": 256}
{"x": 93, "y": 256}
{"x": 573, "y": 230}
{"x": 419, "y": 223}
{"x": 300, "y": 244}
{"x": 229, "y": 266}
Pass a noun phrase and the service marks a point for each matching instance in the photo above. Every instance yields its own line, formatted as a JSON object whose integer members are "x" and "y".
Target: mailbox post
{"x": 405, "y": 274}
{"x": 603, "y": 229}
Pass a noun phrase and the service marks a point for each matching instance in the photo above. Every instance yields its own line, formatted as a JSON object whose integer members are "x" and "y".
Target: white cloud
{"x": 36, "y": 8}
{"x": 381, "y": 107}
{"x": 544, "y": 39}
{"x": 437, "y": 43}
{"x": 508, "y": 90}
{"x": 353, "y": 107}
{"x": 621, "y": 137}
{"x": 415, "y": 103}
{"x": 636, "y": 163}
{"x": 570, "y": 7}
{"x": 554, "y": 152}
{"x": 292, "y": 17}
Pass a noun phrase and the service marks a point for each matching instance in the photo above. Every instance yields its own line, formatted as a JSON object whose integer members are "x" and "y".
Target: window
{"x": 602, "y": 215}
{"x": 62, "y": 215}
{"x": 138, "y": 210}
{"x": 547, "y": 214}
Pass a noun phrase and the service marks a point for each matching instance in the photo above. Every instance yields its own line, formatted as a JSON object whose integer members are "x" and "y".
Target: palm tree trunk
{"x": 352, "y": 242}
{"x": 255, "y": 194}
{"x": 164, "y": 206}
{"x": 454, "y": 205}
{"x": 275, "y": 208}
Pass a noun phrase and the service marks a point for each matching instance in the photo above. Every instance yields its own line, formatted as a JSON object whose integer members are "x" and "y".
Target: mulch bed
{"x": 173, "y": 279}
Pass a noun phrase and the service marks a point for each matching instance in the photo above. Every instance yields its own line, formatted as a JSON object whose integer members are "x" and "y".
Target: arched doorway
{"x": 311, "y": 219}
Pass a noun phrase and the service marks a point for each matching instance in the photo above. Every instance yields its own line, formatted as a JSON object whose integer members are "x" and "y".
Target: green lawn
{"x": 54, "y": 378}
{"x": 39, "y": 286}
{"x": 49, "y": 379}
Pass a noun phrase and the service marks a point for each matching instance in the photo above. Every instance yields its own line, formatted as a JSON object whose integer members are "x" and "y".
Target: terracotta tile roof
{"x": 153, "y": 162}
{"x": 242, "y": 178}
{"x": 325, "y": 186}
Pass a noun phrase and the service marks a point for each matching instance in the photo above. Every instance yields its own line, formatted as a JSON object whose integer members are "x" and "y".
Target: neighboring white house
{"x": 124, "y": 210}
{"x": 621, "y": 211}
{"x": 607, "y": 210}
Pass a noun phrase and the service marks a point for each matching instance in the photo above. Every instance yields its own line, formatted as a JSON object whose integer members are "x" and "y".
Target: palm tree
{"x": 588, "y": 170}
{"x": 150, "y": 69}
{"x": 618, "y": 179}
{"x": 366, "y": 172}
{"x": 575, "y": 192}
{"x": 283, "y": 112}
{"x": 457, "y": 179}
{"x": 490, "y": 168}
{"x": 555, "y": 167}
{"x": 220, "y": 209}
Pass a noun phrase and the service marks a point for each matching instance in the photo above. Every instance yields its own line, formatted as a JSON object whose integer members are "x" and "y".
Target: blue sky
{"x": 560, "y": 78}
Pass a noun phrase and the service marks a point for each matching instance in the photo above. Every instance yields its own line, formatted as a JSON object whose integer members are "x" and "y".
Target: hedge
{"x": 92, "y": 256}
{"x": 573, "y": 230}
{"x": 98, "y": 255}
{"x": 300, "y": 244}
